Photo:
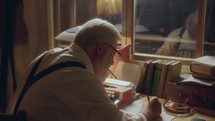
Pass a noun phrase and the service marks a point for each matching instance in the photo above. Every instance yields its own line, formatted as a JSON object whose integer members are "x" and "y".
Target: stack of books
{"x": 199, "y": 86}
{"x": 203, "y": 68}
{"x": 156, "y": 75}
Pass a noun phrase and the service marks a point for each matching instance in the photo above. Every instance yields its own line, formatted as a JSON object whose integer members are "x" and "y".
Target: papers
{"x": 190, "y": 79}
{"x": 205, "y": 60}
{"x": 136, "y": 106}
{"x": 118, "y": 82}
{"x": 128, "y": 72}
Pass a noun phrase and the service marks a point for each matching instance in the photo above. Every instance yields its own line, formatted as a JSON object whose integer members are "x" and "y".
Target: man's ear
{"x": 100, "y": 49}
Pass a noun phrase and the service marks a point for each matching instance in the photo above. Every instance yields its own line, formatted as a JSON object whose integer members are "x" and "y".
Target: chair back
{"x": 20, "y": 116}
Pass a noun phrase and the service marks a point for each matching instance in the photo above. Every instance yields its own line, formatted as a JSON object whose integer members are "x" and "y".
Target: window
{"x": 68, "y": 14}
{"x": 155, "y": 28}
{"x": 174, "y": 28}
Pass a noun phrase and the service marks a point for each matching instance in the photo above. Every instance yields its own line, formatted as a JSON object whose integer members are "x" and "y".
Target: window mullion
{"x": 200, "y": 28}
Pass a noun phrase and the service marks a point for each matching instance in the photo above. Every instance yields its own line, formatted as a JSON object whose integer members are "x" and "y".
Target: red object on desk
{"x": 125, "y": 94}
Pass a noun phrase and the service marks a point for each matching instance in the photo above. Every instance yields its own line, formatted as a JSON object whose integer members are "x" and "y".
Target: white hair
{"x": 97, "y": 30}
{"x": 192, "y": 18}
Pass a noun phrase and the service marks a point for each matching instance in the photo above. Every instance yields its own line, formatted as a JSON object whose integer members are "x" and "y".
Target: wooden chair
{"x": 20, "y": 116}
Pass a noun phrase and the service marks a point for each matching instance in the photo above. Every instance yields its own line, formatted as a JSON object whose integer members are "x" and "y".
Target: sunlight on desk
{"x": 135, "y": 107}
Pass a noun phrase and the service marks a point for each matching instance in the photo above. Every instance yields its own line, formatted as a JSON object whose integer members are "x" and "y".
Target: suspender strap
{"x": 56, "y": 67}
{"x": 32, "y": 78}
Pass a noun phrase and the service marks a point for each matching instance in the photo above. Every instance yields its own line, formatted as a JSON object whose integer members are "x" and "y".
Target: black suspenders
{"x": 32, "y": 78}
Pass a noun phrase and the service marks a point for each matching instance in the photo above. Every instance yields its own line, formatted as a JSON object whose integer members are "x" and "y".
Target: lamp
{"x": 109, "y": 7}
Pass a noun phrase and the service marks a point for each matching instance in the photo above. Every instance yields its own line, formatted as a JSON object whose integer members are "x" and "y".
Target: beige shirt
{"x": 68, "y": 94}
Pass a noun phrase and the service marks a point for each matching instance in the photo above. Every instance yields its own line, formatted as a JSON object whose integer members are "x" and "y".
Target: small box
{"x": 124, "y": 94}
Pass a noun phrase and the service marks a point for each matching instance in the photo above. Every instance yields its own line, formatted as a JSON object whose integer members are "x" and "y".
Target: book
{"x": 203, "y": 65}
{"x": 140, "y": 85}
{"x": 149, "y": 77}
{"x": 156, "y": 79}
{"x": 202, "y": 69}
{"x": 163, "y": 74}
{"x": 203, "y": 76}
{"x": 173, "y": 74}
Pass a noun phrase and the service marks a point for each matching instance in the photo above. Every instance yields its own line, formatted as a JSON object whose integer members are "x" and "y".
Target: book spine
{"x": 156, "y": 79}
{"x": 149, "y": 78}
{"x": 162, "y": 78}
{"x": 203, "y": 76}
{"x": 202, "y": 69}
{"x": 140, "y": 86}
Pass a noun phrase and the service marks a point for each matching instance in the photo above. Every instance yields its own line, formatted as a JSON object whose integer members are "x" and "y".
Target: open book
{"x": 190, "y": 79}
{"x": 205, "y": 60}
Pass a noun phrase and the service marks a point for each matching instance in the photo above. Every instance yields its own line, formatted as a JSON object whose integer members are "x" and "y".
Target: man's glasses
{"x": 114, "y": 49}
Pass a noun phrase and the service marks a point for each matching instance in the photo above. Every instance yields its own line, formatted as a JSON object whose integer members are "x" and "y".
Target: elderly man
{"x": 75, "y": 92}
{"x": 182, "y": 41}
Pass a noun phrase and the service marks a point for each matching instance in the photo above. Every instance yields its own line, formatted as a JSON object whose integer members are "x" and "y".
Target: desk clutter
{"x": 119, "y": 91}
{"x": 203, "y": 68}
{"x": 161, "y": 78}
{"x": 149, "y": 77}
{"x": 199, "y": 87}
{"x": 156, "y": 75}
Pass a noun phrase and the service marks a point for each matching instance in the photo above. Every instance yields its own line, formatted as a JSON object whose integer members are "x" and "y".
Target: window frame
{"x": 199, "y": 42}
{"x": 128, "y": 22}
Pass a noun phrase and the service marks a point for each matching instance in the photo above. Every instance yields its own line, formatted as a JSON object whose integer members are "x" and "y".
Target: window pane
{"x": 209, "y": 44}
{"x": 70, "y": 13}
{"x": 110, "y": 10}
{"x": 166, "y": 27}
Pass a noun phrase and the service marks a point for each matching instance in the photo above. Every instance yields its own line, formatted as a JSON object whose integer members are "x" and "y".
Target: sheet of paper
{"x": 135, "y": 108}
{"x": 190, "y": 79}
{"x": 205, "y": 60}
{"x": 118, "y": 82}
{"x": 128, "y": 71}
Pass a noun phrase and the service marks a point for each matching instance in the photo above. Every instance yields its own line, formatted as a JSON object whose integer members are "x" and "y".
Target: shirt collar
{"x": 81, "y": 55}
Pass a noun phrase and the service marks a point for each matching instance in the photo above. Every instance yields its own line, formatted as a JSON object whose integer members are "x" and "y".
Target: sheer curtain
{"x": 13, "y": 41}
{"x": 61, "y": 16}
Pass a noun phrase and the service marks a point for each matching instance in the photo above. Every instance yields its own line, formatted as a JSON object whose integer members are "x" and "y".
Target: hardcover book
{"x": 203, "y": 76}
{"x": 140, "y": 87}
{"x": 203, "y": 65}
{"x": 149, "y": 78}
{"x": 164, "y": 71}
{"x": 202, "y": 69}
{"x": 173, "y": 74}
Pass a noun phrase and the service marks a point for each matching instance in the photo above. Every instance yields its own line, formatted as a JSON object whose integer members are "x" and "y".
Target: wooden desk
{"x": 197, "y": 114}
{"x": 136, "y": 106}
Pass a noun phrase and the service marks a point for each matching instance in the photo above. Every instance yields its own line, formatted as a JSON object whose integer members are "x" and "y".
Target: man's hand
{"x": 151, "y": 109}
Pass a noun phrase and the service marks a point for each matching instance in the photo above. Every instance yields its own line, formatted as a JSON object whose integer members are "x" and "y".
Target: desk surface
{"x": 137, "y": 104}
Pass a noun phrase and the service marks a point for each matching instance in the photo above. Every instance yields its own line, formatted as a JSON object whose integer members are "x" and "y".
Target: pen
{"x": 112, "y": 74}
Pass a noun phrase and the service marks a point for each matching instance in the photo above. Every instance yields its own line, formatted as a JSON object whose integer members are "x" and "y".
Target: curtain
{"x": 13, "y": 35}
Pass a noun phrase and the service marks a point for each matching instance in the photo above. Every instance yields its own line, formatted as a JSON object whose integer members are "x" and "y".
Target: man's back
{"x": 64, "y": 94}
